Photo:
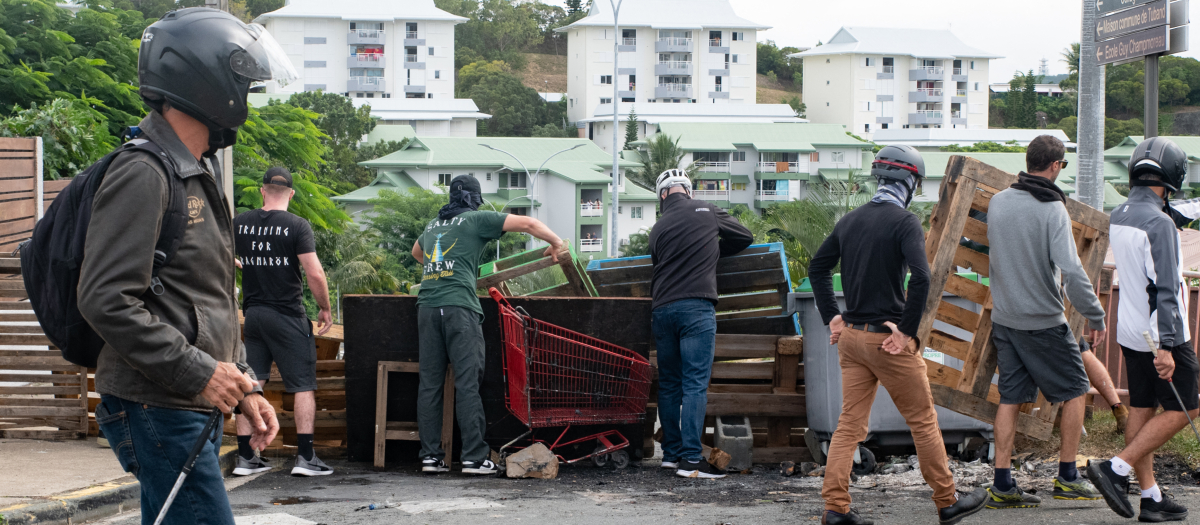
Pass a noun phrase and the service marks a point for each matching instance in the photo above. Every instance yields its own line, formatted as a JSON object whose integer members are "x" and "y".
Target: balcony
{"x": 630, "y": 93}
{"x": 410, "y": 39}
{"x": 413, "y": 62}
{"x": 772, "y": 195}
{"x": 956, "y": 71}
{"x": 673, "y": 45}
{"x": 629, "y": 41}
{"x": 365, "y": 84}
{"x": 366, "y": 60}
{"x": 927, "y": 73}
{"x": 926, "y": 95}
{"x": 591, "y": 245}
{"x": 673, "y": 67}
{"x": 958, "y": 75}
{"x": 886, "y": 72}
{"x": 932, "y": 116}
{"x": 958, "y": 117}
{"x": 724, "y": 72}
{"x": 410, "y": 35}
{"x": 713, "y": 167}
{"x": 673, "y": 91}
{"x": 627, "y": 45}
{"x": 414, "y": 89}
{"x": 714, "y": 46}
{"x": 960, "y": 97}
{"x": 588, "y": 209}
{"x": 718, "y": 91}
{"x": 711, "y": 195}
{"x": 779, "y": 167}
{"x": 366, "y": 36}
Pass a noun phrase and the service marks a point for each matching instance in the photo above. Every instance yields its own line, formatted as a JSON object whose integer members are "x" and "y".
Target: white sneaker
{"x": 313, "y": 467}
{"x": 432, "y": 465}
{"x": 479, "y": 467}
{"x": 670, "y": 464}
{"x": 246, "y": 467}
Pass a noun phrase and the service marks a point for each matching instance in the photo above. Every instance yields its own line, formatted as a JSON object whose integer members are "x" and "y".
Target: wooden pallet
{"x": 498, "y": 273}
{"x": 969, "y": 185}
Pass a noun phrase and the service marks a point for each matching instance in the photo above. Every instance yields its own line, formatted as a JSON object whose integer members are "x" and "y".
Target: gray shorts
{"x": 286, "y": 340}
{"x": 1030, "y": 360}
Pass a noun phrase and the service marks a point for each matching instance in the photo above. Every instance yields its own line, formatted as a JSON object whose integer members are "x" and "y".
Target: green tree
{"x": 472, "y": 73}
{"x": 661, "y": 154}
{"x": 258, "y": 7}
{"x": 639, "y": 245}
{"x": 515, "y": 109}
{"x": 574, "y": 6}
{"x": 1021, "y": 101}
{"x": 73, "y": 135}
{"x": 987, "y": 146}
{"x": 631, "y": 127}
{"x": 344, "y": 126}
{"x": 1116, "y": 130}
{"x": 497, "y": 30}
{"x": 802, "y": 225}
{"x": 1172, "y": 91}
{"x": 1069, "y": 125}
{"x": 1070, "y": 55}
{"x": 354, "y": 262}
{"x": 399, "y": 218}
{"x": 797, "y": 106}
{"x": 549, "y": 131}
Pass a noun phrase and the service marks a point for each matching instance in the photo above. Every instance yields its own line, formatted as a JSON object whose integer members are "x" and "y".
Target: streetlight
{"x": 612, "y": 245}
{"x": 532, "y": 178}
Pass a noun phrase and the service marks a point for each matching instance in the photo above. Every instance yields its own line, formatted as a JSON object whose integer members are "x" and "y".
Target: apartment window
{"x": 884, "y": 125}
{"x": 814, "y": 156}
{"x": 445, "y": 178}
{"x": 431, "y": 51}
{"x": 826, "y": 104}
{"x": 867, "y": 128}
{"x": 972, "y": 64}
{"x": 735, "y": 59}
{"x": 826, "y": 60}
{"x": 739, "y": 186}
{"x": 620, "y": 210}
{"x": 714, "y": 38}
{"x": 370, "y": 95}
{"x": 826, "y": 83}
{"x": 437, "y": 73}
{"x": 635, "y": 212}
{"x": 627, "y": 99}
{"x": 606, "y": 79}
{"x": 606, "y": 100}
{"x": 737, "y": 156}
{"x": 429, "y": 95}
{"x": 976, "y": 86}
{"x": 358, "y": 95}
{"x": 739, "y": 36}
{"x": 489, "y": 175}
{"x": 870, "y": 62}
{"x": 838, "y": 156}
{"x": 866, "y": 105}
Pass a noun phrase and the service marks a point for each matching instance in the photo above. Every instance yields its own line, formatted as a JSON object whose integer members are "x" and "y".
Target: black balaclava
{"x": 464, "y": 196}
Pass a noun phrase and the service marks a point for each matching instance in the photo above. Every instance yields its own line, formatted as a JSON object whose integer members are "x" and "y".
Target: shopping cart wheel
{"x": 620, "y": 459}
{"x": 866, "y": 465}
{"x": 599, "y": 459}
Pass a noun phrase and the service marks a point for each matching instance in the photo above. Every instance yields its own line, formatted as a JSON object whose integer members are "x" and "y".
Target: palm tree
{"x": 1070, "y": 55}
{"x": 354, "y": 262}
{"x": 803, "y": 225}
{"x": 662, "y": 153}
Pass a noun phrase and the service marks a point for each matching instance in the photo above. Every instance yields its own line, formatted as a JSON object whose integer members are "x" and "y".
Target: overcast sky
{"x": 1024, "y": 31}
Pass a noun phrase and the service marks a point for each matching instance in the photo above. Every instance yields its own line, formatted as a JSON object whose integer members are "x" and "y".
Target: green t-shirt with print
{"x": 453, "y": 249}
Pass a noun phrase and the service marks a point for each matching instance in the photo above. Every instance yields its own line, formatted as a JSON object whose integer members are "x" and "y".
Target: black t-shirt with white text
{"x": 268, "y": 245}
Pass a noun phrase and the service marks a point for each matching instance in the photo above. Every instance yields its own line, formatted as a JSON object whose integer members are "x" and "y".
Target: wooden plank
{"x": 23, "y": 339}
{"x": 15, "y": 305}
{"x": 59, "y": 423}
{"x": 739, "y": 389}
{"x": 21, "y": 329}
{"x": 775, "y": 455}
{"x": 787, "y": 372}
{"x": 763, "y": 312}
{"x": 980, "y": 359}
{"x": 967, "y": 289}
{"x": 985, "y": 411}
{"x": 51, "y": 360}
{"x": 61, "y": 379}
{"x": 38, "y": 390}
{"x": 322, "y": 419}
{"x": 981, "y": 201}
{"x": 323, "y": 383}
{"x": 734, "y": 346}
{"x": 782, "y": 405}
{"x": 968, "y": 258}
{"x": 31, "y": 353}
{"x": 525, "y": 269}
{"x": 957, "y": 316}
{"x": 45, "y": 411}
{"x": 940, "y": 248}
{"x": 976, "y": 231}
{"x": 743, "y": 370}
{"x": 381, "y": 422}
{"x": 948, "y": 344}
{"x": 18, "y": 318}
{"x": 42, "y": 401}
{"x": 751, "y": 281}
{"x": 47, "y": 435}
{"x": 9, "y": 184}
{"x": 748, "y": 301}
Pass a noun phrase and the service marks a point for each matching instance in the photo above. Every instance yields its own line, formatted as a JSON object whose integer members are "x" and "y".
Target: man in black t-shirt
{"x": 272, "y": 247}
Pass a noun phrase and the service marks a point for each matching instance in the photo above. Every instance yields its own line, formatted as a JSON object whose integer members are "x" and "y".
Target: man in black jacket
{"x": 878, "y": 244}
{"x": 684, "y": 247}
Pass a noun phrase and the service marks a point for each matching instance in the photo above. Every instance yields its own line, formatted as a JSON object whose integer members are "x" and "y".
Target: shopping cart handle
{"x": 497, "y": 296}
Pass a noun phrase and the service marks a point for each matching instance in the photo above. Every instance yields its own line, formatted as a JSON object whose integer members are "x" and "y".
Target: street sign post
{"x": 1107, "y": 6}
{"x": 1129, "y": 21}
{"x": 1142, "y": 43}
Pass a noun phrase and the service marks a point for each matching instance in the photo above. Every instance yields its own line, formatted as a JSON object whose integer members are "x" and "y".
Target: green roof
{"x": 710, "y": 175}
{"x": 1122, "y": 151}
{"x": 799, "y": 137}
{"x": 386, "y": 180}
{"x": 391, "y": 132}
{"x": 741, "y": 179}
{"x": 633, "y": 192}
{"x": 582, "y": 165}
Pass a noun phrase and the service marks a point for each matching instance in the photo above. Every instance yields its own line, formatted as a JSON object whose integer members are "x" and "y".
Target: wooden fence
{"x": 20, "y": 189}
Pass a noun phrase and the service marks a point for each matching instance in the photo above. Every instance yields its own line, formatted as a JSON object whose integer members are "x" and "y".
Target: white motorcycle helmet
{"x": 671, "y": 178}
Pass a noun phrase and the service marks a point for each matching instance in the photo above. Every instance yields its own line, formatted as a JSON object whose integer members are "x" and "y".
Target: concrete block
{"x": 734, "y": 436}
{"x": 534, "y": 461}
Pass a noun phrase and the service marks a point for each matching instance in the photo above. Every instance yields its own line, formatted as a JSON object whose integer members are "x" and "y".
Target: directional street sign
{"x": 1108, "y": 6}
{"x": 1153, "y": 14}
{"x": 1134, "y": 45}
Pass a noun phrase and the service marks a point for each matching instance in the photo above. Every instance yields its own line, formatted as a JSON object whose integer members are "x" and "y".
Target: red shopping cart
{"x": 558, "y": 377}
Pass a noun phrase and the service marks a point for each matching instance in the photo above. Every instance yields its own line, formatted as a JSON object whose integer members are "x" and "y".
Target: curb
{"x": 92, "y": 503}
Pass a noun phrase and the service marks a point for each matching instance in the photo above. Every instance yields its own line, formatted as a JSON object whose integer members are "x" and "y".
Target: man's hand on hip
{"x": 836, "y": 325}
{"x": 896, "y": 343}
{"x": 227, "y": 387}
{"x": 1165, "y": 364}
{"x": 263, "y": 423}
{"x": 324, "y": 322}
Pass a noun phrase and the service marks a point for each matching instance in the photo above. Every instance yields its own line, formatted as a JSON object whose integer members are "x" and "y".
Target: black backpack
{"x": 52, "y": 259}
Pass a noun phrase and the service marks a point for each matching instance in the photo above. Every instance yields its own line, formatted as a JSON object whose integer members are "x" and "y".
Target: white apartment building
{"x": 669, "y": 51}
{"x": 649, "y": 116}
{"x": 367, "y": 48}
{"x": 868, "y": 79}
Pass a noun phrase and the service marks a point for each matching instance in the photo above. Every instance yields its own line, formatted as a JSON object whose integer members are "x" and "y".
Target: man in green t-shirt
{"x": 449, "y": 318}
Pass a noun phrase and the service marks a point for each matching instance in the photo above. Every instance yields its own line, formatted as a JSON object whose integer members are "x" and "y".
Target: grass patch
{"x": 545, "y": 73}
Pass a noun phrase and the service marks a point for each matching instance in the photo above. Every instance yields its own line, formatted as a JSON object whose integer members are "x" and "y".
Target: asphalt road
{"x": 588, "y": 495}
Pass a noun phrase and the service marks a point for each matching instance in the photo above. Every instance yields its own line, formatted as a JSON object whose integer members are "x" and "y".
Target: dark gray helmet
{"x": 897, "y": 163}
{"x": 1158, "y": 156}
{"x": 203, "y": 61}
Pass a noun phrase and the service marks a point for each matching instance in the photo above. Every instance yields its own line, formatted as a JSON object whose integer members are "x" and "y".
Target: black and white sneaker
{"x": 311, "y": 467}
{"x": 1160, "y": 511}
{"x": 1112, "y": 486}
{"x": 479, "y": 467}
{"x": 699, "y": 469}
{"x": 246, "y": 467}
{"x": 671, "y": 464}
{"x": 432, "y": 465}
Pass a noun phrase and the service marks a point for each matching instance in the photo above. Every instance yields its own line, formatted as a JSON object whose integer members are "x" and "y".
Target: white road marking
{"x": 278, "y": 518}
{"x": 443, "y": 505}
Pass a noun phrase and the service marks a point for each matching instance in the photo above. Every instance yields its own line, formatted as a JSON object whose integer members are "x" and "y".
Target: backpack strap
{"x": 174, "y": 221}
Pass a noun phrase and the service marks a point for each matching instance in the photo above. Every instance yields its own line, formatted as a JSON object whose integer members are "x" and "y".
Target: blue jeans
{"x": 152, "y": 443}
{"x": 685, "y": 333}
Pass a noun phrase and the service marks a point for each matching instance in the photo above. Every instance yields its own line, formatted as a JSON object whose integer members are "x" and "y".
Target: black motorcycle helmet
{"x": 1161, "y": 157}
{"x": 202, "y": 61}
{"x": 897, "y": 163}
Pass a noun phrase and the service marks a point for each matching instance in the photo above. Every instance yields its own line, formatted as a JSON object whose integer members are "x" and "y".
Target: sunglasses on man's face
{"x": 1062, "y": 164}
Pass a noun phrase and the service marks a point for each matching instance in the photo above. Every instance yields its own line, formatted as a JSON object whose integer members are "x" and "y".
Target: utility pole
{"x": 1151, "y": 108}
{"x": 616, "y": 178}
{"x": 1089, "y": 138}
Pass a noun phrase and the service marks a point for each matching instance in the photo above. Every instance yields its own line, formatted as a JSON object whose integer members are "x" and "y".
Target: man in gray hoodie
{"x": 1033, "y": 256}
